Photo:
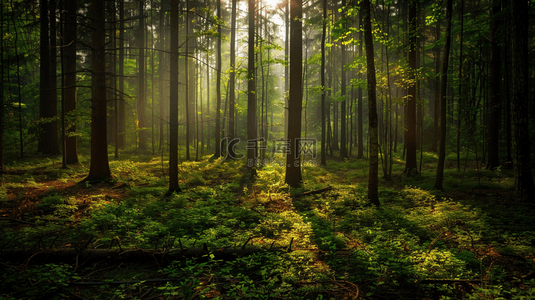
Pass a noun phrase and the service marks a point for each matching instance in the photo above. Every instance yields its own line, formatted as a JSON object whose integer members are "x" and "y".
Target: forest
{"x": 267, "y": 149}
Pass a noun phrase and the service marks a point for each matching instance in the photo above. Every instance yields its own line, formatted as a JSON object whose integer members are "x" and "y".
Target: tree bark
{"x": 121, "y": 121}
{"x": 44, "y": 80}
{"x": 173, "y": 102}
{"x": 373, "y": 174}
{"x": 53, "y": 106}
{"x": 443, "y": 91}
{"x": 218, "y": 149}
{"x": 323, "y": 91}
{"x": 69, "y": 52}
{"x": 343, "y": 119}
{"x": 251, "y": 95}
{"x": 360, "y": 121}
{"x": 232, "y": 78}
{"x": 2, "y": 167}
{"x": 525, "y": 190}
{"x": 410, "y": 142}
{"x": 293, "y": 159}
{"x": 99, "y": 169}
{"x": 494, "y": 117}
{"x": 141, "y": 101}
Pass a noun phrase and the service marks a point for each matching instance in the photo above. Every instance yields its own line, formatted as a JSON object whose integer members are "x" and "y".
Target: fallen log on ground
{"x": 131, "y": 255}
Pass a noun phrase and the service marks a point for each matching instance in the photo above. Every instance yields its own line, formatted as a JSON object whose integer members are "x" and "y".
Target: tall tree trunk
{"x": 251, "y": 92}
{"x": 121, "y": 121}
{"x": 141, "y": 101}
{"x": 494, "y": 116}
{"x": 99, "y": 169}
{"x": 436, "y": 101}
{"x": 173, "y": 102}
{"x": 161, "y": 66}
{"x": 287, "y": 65}
{"x": 293, "y": 159}
{"x": 343, "y": 125}
{"x": 443, "y": 90}
{"x": 44, "y": 80}
{"x": 360, "y": 121}
{"x": 2, "y": 167}
{"x": 69, "y": 93}
{"x": 460, "y": 88}
{"x": 190, "y": 52}
{"x": 323, "y": 91}
{"x": 525, "y": 190}
{"x": 218, "y": 149}
{"x": 373, "y": 174}
{"x": 410, "y": 142}
{"x": 232, "y": 79}
{"x": 54, "y": 142}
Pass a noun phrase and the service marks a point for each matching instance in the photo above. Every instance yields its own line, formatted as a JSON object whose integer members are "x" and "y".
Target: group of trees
{"x": 448, "y": 76}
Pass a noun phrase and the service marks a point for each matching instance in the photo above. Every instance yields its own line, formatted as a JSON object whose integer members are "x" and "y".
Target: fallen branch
{"x": 450, "y": 281}
{"x": 319, "y": 191}
{"x": 137, "y": 255}
{"x": 17, "y": 220}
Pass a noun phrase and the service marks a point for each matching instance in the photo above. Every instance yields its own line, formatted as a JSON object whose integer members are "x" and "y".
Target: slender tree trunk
{"x": 173, "y": 102}
{"x": 232, "y": 78}
{"x": 360, "y": 121}
{"x": 443, "y": 90}
{"x": 44, "y": 79}
{"x": 218, "y": 149}
{"x": 525, "y": 190}
{"x": 494, "y": 116}
{"x": 54, "y": 142}
{"x": 99, "y": 169}
{"x": 410, "y": 142}
{"x": 287, "y": 65}
{"x": 2, "y": 167}
{"x": 293, "y": 159}
{"x": 436, "y": 106}
{"x": 343, "y": 120}
{"x": 69, "y": 92}
{"x": 460, "y": 88}
{"x": 121, "y": 121}
{"x": 251, "y": 98}
{"x": 323, "y": 91}
{"x": 373, "y": 174}
{"x": 141, "y": 101}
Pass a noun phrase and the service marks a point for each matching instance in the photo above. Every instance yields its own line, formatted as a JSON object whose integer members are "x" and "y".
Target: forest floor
{"x": 225, "y": 237}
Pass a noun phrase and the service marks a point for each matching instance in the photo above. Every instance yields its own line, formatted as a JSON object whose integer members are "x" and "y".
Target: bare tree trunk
{"x": 217, "y": 153}
{"x": 495, "y": 101}
{"x": 373, "y": 174}
{"x": 232, "y": 78}
{"x": 323, "y": 91}
{"x": 443, "y": 90}
{"x": 121, "y": 121}
{"x": 141, "y": 101}
{"x": 343, "y": 120}
{"x": 173, "y": 102}
{"x": 99, "y": 170}
{"x": 410, "y": 142}
{"x": 44, "y": 79}
{"x": 69, "y": 91}
{"x": 525, "y": 190}
{"x": 293, "y": 168}
{"x": 53, "y": 141}
{"x": 2, "y": 167}
{"x": 251, "y": 99}
{"x": 360, "y": 136}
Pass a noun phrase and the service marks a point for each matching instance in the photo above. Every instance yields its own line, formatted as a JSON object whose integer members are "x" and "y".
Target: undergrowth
{"x": 468, "y": 242}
